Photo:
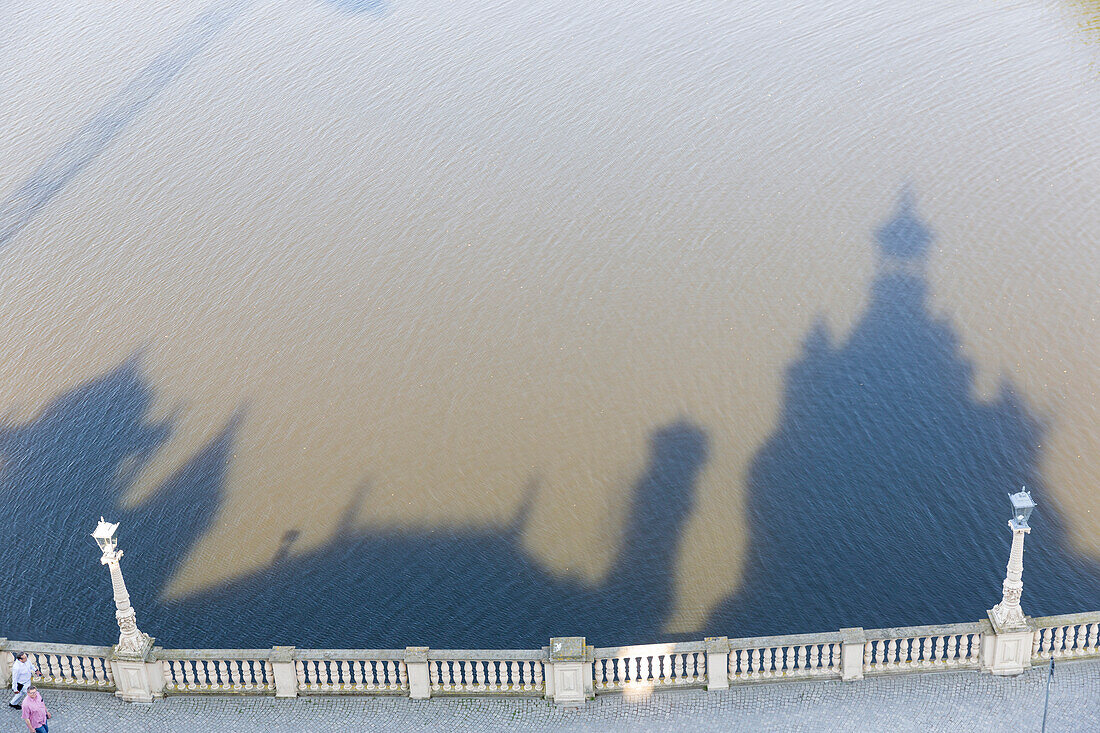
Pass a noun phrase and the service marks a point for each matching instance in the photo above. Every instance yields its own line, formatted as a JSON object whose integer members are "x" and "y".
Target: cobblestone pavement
{"x": 949, "y": 701}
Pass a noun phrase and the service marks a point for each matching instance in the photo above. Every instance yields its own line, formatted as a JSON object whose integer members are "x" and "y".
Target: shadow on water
{"x": 443, "y": 587}
{"x": 881, "y": 498}
{"x": 65, "y": 468}
{"x": 97, "y": 133}
{"x": 463, "y": 588}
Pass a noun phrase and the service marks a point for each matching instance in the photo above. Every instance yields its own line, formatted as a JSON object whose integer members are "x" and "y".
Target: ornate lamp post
{"x": 1007, "y": 614}
{"x": 130, "y": 639}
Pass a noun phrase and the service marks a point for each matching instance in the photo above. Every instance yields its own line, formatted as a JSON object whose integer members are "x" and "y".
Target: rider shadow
{"x": 881, "y": 498}
{"x": 458, "y": 588}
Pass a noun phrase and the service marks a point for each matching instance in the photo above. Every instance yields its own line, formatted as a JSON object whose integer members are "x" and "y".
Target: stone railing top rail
{"x": 906, "y": 632}
{"x": 642, "y": 650}
{"x": 486, "y": 654}
{"x": 177, "y": 654}
{"x": 346, "y": 654}
{"x": 825, "y": 637}
{"x": 45, "y": 647}
{"x": 1066, "y": 619}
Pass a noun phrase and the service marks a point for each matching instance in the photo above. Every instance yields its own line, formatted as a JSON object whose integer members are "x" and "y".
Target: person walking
{"x": 21, "y": 673}
{"x": 35, "y": 713}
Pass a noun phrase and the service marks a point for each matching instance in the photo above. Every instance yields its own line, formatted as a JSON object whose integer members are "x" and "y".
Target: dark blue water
{"x": 879, "y": 500}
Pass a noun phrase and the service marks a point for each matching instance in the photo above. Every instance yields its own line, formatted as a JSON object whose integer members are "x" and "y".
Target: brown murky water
{"x": 455, "y": 253}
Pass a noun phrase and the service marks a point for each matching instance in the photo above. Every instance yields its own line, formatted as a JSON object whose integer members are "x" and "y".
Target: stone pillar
{"x": 718, "y": 662}
{"x": 568, "y": 671}
{"x": 138, "y": 676}
{"x": 282, "y": 667}
{"x": 852, "y": 642}
{"x": 1008, "y": 612}
{"x": 1007, "y": 649}
{"x": 6, "y": 660}
{"x": 416, "y": 667}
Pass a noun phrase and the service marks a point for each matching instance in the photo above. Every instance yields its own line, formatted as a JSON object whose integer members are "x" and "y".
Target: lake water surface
{"x": 465, "y": 324}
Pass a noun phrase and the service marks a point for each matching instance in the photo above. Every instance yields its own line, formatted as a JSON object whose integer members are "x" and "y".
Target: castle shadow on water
{"x": 876, "y": 502}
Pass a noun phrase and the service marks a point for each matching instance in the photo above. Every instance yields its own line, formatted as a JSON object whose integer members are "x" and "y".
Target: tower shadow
{"x": 881, "y": 498}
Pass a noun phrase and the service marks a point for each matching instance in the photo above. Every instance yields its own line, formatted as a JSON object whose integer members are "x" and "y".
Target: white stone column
{"x": 853, "y": 641}
{"x": 568, "y": 671}
{"x": 1008, "y": 612}
{"x": 1009, "y": 649}
{"x": 416, "y": 667}
{"x": 718, "y": 662}
{"x": 282, "y": 667}
{"x": 130, "y": 638}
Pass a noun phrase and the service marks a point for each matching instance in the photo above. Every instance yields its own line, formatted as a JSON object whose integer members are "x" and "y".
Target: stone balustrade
{"x": 649, "y": 666}
{"x": 922, "y": 648}
{"x": 218, "y": 671}
{"x": 568, "y": 671}
{"x": 68, "y": 666}
{"x": 355, "y": 671}
{"x": 1065, "y": 637}
{"x": 486, "y": 672}
{"x": 796, "y": 656}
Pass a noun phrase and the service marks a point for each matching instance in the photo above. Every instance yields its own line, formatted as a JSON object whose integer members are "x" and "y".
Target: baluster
{"x": 1092, "y": 636}
{"x": 877, "y": 653}
{"x": 88, "y": 664}
{"x": 952, "y": 652}
{"x": 513, "y": 681}
{"x": 84, "y": 667}
{"x": 693, "y": 667}
{"x": 188, "y": 680}
{"x": 362, "y": 673}
{"x": 488, "y": 675}
{"x": 217, "y": 674}
{"x": 937, "y": 649}
{"x": 754, "y": 673}
{"x": 396, "y": 674}
{"x": 300, "y": 673}
{"x": 1037, "y": 644}
{"x": 433, "y": 675}
{"x": 783, "y": 660}
{"x": 1071, "y": 639}
{"x": 534, "y": 673}
{"x": 238, "y": 672}
{"x": 1059, "y": 640}
{"x": 768, "y": 666}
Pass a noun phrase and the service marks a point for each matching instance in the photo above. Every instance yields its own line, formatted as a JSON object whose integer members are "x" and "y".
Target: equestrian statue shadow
{"x": 440, "y": 587}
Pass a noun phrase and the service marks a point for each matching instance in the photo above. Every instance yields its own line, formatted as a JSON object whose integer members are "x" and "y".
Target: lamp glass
{"x": 1022, "y": 506}
{"x": 104, "y": 535}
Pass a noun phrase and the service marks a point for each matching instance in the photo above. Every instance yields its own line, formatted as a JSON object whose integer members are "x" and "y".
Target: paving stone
{"x": 947, "y": 702}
